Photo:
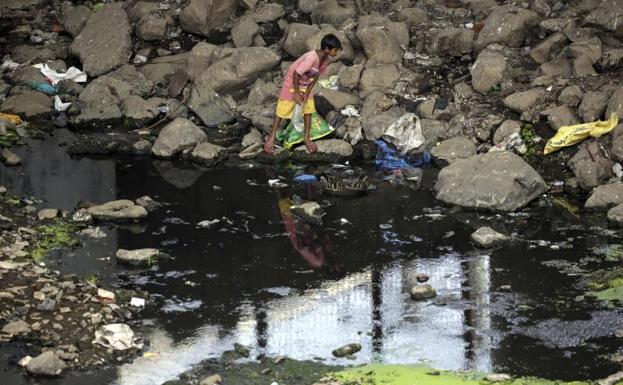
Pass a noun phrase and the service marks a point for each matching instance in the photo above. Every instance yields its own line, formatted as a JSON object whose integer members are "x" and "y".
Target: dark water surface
{"x": 260, "y": 278}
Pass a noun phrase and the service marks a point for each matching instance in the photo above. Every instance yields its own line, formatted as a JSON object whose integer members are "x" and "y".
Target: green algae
{"x": 607, "y": 285}
{"x": 54, "y": 235}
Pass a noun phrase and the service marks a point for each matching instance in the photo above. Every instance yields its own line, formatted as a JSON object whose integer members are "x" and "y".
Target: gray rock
{"x": 212, "y": 109}
{"x": 74, "y": 19}
{"x": 203, "y": 16}
{"x": 541, "y": 8}
{"x": 308, "y": 212}
{"x": 560, "y": 116}
{"x": 138, "y": 257}
{"x": 30, "y": 105}
{"x": 140, "y": 9}
{"x": 486, "y": 237}
{"x": 501, "y": 377}
{"x": 47, "y": 214}
{"x": 615, "y": 104}
{"x": 148, "y": 203}
{"x": 451, "y": 150}
{"x": 329, "y": 99}
{"x": 524, "y": 100}
{"x": 488, "y": 71}
{"x": 605, "y": 196}
{"x": 346, "y": 350}
{"x": 615, "y": 214}
{"x": 558, "y": 67}
{"x": 9, "y": 158}
{"x": 548, "y": 48}
{"x": 262, "y": 92}
{"x": 213, "y": 379}
{"x": 617, "y": 142}
{"x": 582, "y": 66}
{"x": 138, "y": 111}
{"x": 413, "y": 17}
{"x": 349, "y": 77}
{"x": 495, "y": 181}
{"x": 571, "y": 96}
{"x": 152, "y": 28}
{"x": 607, "y": 15}
{"x": 611, "y": 58}
{"x": 381, "y": 39}
{"x": 593, "y": 106}
{"x": 424, "y": 291}
{"x": 590, "y": 48}
{"x": 16, "y": 327}
{"x": 119, "y": 210}
{"x": 104, "y": 43}
{"x": 46, "y": 364}
{"x": 297, "y": 35}
{"x": 380, "y": 77}
{"x": 206, "y": 153}
{"x": 506, "y": 129}
{"x": 330, "y": 12}
{"x": 177, "y": 136}
{"x": 47, "y": 305}
{"x": 508, "y": 25}
{"x": 244, "y": 31}
{"x": 267, "y": 13}
{"x": 450, "y": 41}
{"x": 332, "y": 147}
{"x": 590, "y": 166}
{"x": 375, "y": 126}
{"x": 253, "y": 137}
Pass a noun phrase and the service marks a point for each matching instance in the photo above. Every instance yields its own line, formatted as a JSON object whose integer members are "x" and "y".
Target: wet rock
{"x": 152, "y": 28}
{"x": 381, "y": 39}
{"x": 100, "y": 46}
{"x": 378, "y": 77}
{"x": 590, "y": 166}
{"x": 16, "y": 327}
{"x": 424, "y": 291}
{"x": 450, "y": 41}
{"x": 203, "y": 16}
{"x": 508, "y": 25}
{"x": 309, "y": 212}
{"x": 244, "y": 32}
{"x": 451, "y": 150}
{"x": 346, "y": 350}
{"x": 421, "y": 277}
{"x": 488, "y": 71}
{"x": 524, "y": 100}
{"x": 74, "y": 18}
{"x": 9, "y": 158}
{"x": 615, "y": 104}
{"x": 142, "y": 147}
{"x": 548, "y": 48}
{"x": 148, "y": 203}
{"x": 212, "y": 109}
{"x": 495, "y": 181}
{"x": 47, "y": 214}
{"x": 506, "y": 129}
{"x": 486, "y": 237}
{"x": 498, "y": 377}
{"x": 615, "y": 214}
{"x": 46, "y": 364}
{"x": 297, "y": 36}
{"x": 177, "y": 136}
{"x": 332, "y": 147}
{"x": 138, "y": 257}
{"x": 605, "y": 196}
{"x": 560, "y": 116}
{"x": 119, "y": 210}
{"x": 29, "y": 105}
{"x": 206, "y": 153}
{"x": 593, "y": 106}
{"x": 214, "y": 379}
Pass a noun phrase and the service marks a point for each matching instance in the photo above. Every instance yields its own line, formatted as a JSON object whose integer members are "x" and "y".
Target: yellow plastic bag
{"x": 570, "y": 135}
{"x": 13, "y": 119}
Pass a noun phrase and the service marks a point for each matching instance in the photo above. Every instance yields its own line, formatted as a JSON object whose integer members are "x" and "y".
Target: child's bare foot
{"x": 269, "y": 144}
{"x": 311, "y": 146}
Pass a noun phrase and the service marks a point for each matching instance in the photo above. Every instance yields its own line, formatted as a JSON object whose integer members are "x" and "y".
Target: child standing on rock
{"x": 301, "y": 77}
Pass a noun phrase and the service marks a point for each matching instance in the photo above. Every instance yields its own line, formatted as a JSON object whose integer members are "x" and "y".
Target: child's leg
{"x": 311, "y": 146}
{"x": 269, "y": 144}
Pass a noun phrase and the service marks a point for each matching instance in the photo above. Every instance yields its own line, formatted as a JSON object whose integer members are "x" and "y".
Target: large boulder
{"x": 605, "y": 196}
{"x": 212, "y": 109}
{"x": 119, "y": 210}
{"x": 615, "y": 214}
{"x": 593, "y": 106}
{"x": 548, "y": 48}
{"x": 607, "y": 15}
{"x": 451, "y": 150}
{"x": 297, "y": 35}
{"x": 558, "y": 67}
{"x": 244, "y": 32}
{"x": 488, "y": 71}
{"x": 497, "y": 180}
{"x": 331, "y": 147}
{"x": 450, "y": 41}
{"x": 152, "y": 28}
{"x": 590, "y": 166}
{"x": 74, "y": 18}
{"x": 560, "y": 116}
{"x": 327, "y": 99}
{"x": 617, "y": 143}
{"x": 177, "y": 136}
{"x": 590, "y": 48}
{"x": 379, "y": 77}
{"x": 240, "y": 68}
{"x": 29, "y": 105}
{"x": 206, "y": 153}
{"x": 382, "y": 40}
{"x": 508, "y": 25}
{"x": 506, "y": 129}
{"x": 330, "y": 12}
{"x": 204, "y": 16}
{"x": 105, "y": 42}
{"x": 523, "y": 100}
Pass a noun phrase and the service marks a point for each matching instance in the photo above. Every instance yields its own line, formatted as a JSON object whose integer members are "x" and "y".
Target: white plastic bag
{"x": 72, "y": 73}
{"x": 297, "y": 118}
{"x": 59, "y": 105}
{"x": 116, "y": 337}
{"x": 405, "y": 133}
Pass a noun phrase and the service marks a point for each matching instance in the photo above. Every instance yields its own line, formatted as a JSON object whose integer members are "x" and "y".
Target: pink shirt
{"x": 309, "y": 68}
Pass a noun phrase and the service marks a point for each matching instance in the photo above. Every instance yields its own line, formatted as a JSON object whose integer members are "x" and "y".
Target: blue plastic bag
{"x": 388, "y": 158}
{"x": 305, "y": 178}
{"x": 44, "y": 87}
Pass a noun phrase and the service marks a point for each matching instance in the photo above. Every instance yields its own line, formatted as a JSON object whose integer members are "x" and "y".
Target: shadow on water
{"x": 259, "y": 277}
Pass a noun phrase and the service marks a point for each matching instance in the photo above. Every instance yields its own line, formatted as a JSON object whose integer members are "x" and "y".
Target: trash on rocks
{"x": 9, "y": 64}
{"x": 106, "y": 295}
{"x": 511, "y": 143}
{"x": 44, "y": 87}
{"x": 487, "y": 237}
{"x": 117, "y": 337}
{"x": 139, "y": 59}
{"x": 208, "y": 223}
{"x": 405, "y": 133}
{"x": 72, "y": 73}
{"x": 94, "y": 232}
{"x": 24, "y": 361}
{"x": 617, "y": 169}
{"x": 570, "y": 135}
{"x": 59, "y": 105}
{"x": 305, "y": 178}
{"x": 350, "y": 111}
{"x": 345, "y": 187}
{"x": 11, "y": 118}
{"x": 137, "y": 302}
{"x": 276, "y": 183}
{"x": 388, "y": 159}
{"x": 308, "y": 212}
{"x": 292, "y": 135}
{"x": 330, "y": 82}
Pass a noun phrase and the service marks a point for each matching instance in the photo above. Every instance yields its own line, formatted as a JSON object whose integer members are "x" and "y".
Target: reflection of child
{"x": 303, "y": 238}
{"x": 301, "y": 77}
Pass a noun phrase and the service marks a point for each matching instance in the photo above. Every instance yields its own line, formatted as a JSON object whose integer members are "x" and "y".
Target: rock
{"x": 450, "y": 41}
{"x": 488, "y": 71}
{"x": 498, "y": 377}
{"x": 214, "y": 379}
{"x": 590, "y": 166}
{"x": 560, "y": 116}
{"x": 605, "y": 196}
{"x": 507, "y": 25}
{"x": 46, "y": 364}
{"x": 615, "y": 214}
{"x": 413, "y": 17}
{"x": 100, "y": 46}
{"x": 30, "y": 105}
{"x": 495, "y": 181}
{"x": 204, "y": 16}
{"x": 541, "y": 8}
{"x": 332, "y": 147}
{"x": 593, "y": 106}
{"x": 349, "y": 77}
{"x": 138, "y": 111}
{"x": 571, "y": 96}
{"x": 237, "y": 70}
{"x": 297, "y": 36}
{"x": 330, "y": 12}
{"x": 607, "y": 15}
{"x": 269, "y": 12}
{"x": 206, "y": 153}
{"x": 47, "y": 305}
{"x": 374, "y": 127}
{"x": 346, "y": 350}
{"x": 327, "y": 100}
{"x": 138, "y": 257}
{"x": 244, "y": 32}
{"x": 617, "y": 142}
{"x": 582, "y": 67}
{"x": 486, "y": 237}
{"x": 16, "y": 327}
{"x": 453, "y": 149}
{"x": 524, "y": 100}
{"x": 506, "y": 129}
{"x": 152, "y": 28}
{"x": 558, "y": 67}
{"x": 253, "y": 137}
{"x": 74, "y": 19}
{"x": 119, "y": 210}
{"x": 212, "y": 109}
{"x": 3, "y": 189}
{"x": 47, "y": 214}
{"x": 590, "y": 48}
{"x": 148, "y": 203}
{"x": 308, "y": 212}
{"x": 615, "y": 104}
{"x": 548, "y": 48}
{"x": 421, "y": 277}
{"x": 177, "y": 136}
{"x": 380, "y": 77}
{"x": 381, "y": 39}
{"x": 424, "y": 291}
{"x": 9, "y": 158}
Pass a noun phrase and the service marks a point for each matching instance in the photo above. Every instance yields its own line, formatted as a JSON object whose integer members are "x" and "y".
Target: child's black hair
{"x": 330, "y": 41}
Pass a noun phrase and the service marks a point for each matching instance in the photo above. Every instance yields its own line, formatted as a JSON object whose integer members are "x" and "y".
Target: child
{"x": 302, "y": 76}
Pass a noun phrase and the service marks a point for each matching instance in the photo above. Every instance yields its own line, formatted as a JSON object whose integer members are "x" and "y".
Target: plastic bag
{"x": 405, "y": 133}
{"x": 59, "y": 105}
{"x": 570, "y": 135}
{"x": 116, "y": 337}
{"x": 291, "y": 136}
{"x": 11, "y": 118}
{"x": 388, "y": 159}
{"x": 511, "y": 143}
{"x": 72, "y": 73}
{"x": 44, "y": 87}
{"x": 297, "y": 120}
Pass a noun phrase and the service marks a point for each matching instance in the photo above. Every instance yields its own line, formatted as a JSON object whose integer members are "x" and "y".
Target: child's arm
{"x": 297, "y": 94}
{"x": 309, "y": 88}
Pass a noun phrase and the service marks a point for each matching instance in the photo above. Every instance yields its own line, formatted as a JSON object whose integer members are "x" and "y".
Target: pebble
{"x": 421, "y": 277}
{"x": 39, "y": 296}
{"x": 498, "y": 377}
{"x": 47, "y": 305}
{"x": 423, "y": 292}
{"x": 214, "y": 379}
{"x": 3, "y": 189}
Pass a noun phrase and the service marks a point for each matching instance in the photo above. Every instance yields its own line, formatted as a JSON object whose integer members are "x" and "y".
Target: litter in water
{"x": 116, "y": 337}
